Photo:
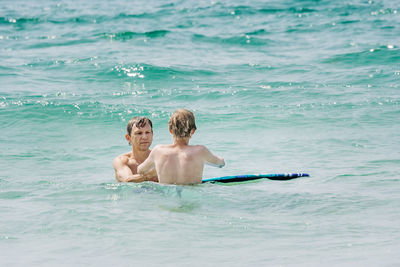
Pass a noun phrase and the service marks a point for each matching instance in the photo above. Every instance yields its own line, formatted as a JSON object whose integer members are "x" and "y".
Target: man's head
{"x": 138, "y": 122}
{"x": 182, "y": 123}
{"x": 140, "y": 133}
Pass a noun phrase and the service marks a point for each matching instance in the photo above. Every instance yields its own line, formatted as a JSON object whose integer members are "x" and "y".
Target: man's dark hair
{"x": 139, "y": 122}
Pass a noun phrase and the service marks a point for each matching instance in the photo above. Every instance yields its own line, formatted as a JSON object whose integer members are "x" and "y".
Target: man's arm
{"x": 124, "y": 174}
{"x": 213, "y": 160}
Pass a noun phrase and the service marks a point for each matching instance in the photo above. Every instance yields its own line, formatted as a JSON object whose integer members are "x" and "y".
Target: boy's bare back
{"x": 180, "y": 163}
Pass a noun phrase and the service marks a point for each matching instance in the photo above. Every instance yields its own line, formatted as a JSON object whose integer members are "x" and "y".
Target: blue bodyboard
{"x": 249, "y": 177}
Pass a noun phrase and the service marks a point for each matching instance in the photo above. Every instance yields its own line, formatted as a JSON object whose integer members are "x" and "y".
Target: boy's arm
{"x": 213, "y": 160}
{"x": 124, "y": 174}
{"x": 148, "y": 165}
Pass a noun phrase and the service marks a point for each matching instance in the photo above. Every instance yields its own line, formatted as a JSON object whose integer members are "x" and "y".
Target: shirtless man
{"x": 180, "y": 163}
{"x": 140, "y": 137}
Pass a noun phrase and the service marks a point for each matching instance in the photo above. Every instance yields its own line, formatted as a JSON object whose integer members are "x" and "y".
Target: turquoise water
{"x": 276, "y": 86}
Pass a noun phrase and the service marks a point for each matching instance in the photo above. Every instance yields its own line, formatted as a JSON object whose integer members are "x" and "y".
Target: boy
{"x": 180, "y": 163}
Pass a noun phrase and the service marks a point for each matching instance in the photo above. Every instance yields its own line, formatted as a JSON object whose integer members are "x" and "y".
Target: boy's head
{"x": 182, "y": 123}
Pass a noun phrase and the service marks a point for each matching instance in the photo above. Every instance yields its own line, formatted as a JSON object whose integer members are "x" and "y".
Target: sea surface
{"x": 276, "y": 87}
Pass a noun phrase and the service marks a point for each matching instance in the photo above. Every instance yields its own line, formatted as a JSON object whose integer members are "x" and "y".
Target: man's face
{"x": 141, "y": 138}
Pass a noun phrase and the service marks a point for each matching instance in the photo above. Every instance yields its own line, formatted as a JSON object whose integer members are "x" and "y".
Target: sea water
{"x": 276, "y": 86}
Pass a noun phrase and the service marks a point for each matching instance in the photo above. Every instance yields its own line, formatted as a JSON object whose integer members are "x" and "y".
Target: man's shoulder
{"x": 122, "y": 159}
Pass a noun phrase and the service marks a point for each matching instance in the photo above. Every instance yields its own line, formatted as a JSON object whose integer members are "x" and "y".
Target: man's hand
{"x": 124, "y": 174}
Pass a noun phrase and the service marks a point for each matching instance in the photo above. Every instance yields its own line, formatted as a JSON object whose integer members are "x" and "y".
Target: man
{"x": 180, "y": 163}
{"x": 140, "y": 137}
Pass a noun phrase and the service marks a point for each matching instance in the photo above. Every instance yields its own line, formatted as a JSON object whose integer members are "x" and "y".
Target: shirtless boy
{"x": 140, "y": 137}
{"x": 180, "y": 163}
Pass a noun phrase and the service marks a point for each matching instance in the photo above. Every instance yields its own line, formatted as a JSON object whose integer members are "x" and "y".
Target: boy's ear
{"x": 170, "y": 130}
{"x": 192, "y": 132}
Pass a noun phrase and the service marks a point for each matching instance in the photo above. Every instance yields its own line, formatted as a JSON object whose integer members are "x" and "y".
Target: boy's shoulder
{"x": 198, "y": 148}
{"x": 161, "y": 147}
{"x": 193, "y": 148}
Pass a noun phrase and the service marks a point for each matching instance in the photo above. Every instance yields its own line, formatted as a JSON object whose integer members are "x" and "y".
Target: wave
{"x": 62, "y": 43}
{"x": 257, "y": 32}
{"x": 79, "y": 19}
{"x": 11, "y": 20}
{"x": 220, "y": 9}
{"x": 24, "y": 21}
{"x": 292, "y": 10}
{"x": 101, "y": 107}
{"x": 144, "y": 15}
{"x": 154, "y": 73}
{"x": 123, "y": 36}
{"x": 383, "y": 55}
{"x": 242, "y": 40}
{"x": 345, "y": 22}
{"x": 44, "y": 109}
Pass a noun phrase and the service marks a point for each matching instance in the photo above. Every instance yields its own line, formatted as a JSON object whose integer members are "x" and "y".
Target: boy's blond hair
{"x": 181, "y": 123}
